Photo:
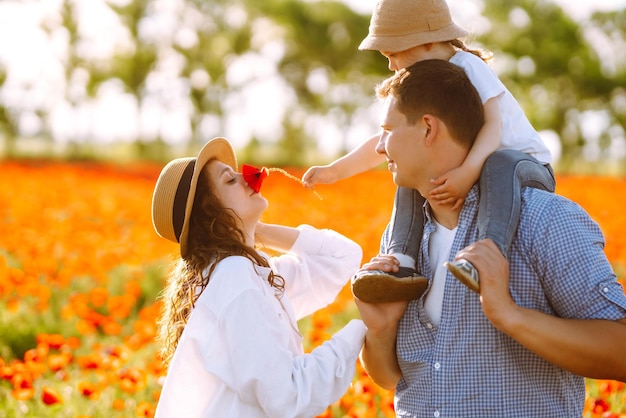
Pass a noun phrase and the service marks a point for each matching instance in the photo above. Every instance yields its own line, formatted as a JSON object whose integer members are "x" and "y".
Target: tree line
{"x": 564, "y": 73}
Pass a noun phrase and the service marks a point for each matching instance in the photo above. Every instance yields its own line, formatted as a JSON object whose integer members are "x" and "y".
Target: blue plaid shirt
{"x": 467, "y": 368}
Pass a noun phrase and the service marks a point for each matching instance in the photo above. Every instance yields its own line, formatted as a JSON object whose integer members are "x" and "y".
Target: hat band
{"x": 180, "y": 199}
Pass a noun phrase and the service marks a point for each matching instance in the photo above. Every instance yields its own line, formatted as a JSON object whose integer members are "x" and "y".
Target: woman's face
{"x": 235, "y": 194}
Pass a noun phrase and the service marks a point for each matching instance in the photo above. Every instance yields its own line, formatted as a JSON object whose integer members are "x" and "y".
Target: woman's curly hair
{"x": 214, "y": 234}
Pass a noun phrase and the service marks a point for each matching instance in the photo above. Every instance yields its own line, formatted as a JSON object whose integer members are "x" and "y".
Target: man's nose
{"x": 380, "y": 145}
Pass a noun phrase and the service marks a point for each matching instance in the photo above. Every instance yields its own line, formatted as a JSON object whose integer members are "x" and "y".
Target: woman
{"x": 229, "y": 322}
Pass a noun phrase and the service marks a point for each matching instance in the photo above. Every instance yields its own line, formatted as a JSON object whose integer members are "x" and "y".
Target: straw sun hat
{"x": 398, "y": 25}
{"x": 175, "y": 190}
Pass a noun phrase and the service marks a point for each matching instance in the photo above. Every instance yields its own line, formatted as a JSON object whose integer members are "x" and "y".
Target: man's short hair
{"x": 439, "y": 88}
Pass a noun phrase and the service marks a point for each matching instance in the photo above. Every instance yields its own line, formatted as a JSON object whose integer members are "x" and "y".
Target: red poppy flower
{"x": 49, "y": 396}
{"x": 254, "y": 176}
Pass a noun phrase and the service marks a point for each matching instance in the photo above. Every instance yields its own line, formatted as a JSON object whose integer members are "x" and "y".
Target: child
{"x": 508, "y": 153}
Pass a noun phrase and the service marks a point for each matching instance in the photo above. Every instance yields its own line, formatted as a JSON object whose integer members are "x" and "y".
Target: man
{"x": 552, "y": 313}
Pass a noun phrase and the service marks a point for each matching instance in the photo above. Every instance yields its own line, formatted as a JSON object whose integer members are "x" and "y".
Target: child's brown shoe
{"x": 465, "y": 272}
{"x": 375, "y": 286}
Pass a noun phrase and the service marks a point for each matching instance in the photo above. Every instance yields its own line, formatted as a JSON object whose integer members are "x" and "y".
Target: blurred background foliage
{"x": 569, "y": 76}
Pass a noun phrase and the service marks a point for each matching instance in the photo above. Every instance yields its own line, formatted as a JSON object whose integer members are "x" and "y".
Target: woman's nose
{"x": 253, "y": 176}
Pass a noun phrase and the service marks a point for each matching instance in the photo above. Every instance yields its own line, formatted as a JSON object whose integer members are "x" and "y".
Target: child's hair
{"x": 480, "y": 53}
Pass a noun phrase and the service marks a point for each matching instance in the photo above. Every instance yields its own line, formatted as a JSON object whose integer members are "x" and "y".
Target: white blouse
{"x": 241, "y": 353}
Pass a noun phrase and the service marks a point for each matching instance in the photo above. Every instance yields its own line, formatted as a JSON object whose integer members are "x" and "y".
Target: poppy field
{"x": 81, "y": 269}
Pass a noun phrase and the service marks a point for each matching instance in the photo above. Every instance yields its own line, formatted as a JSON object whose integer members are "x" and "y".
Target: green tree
{"x": 550, "y": 67}
{"x": 8, "y": 122}
{"x": 553, "y": 65}
{"x": 323, "y": 37}
{"x": 132, "y": 67}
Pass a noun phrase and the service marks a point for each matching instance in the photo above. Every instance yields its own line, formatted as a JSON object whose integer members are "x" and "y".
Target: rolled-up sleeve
{"x": 316, "y": 268}
{"x": 576, "y": 272}
{"x": 266, "y": 371}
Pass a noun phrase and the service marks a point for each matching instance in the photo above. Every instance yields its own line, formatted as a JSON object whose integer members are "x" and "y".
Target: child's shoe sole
{"x": 465, "y": 272}
{"x": 376, "y": 286}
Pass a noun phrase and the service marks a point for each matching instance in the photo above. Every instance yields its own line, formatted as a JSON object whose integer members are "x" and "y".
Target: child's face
{"x": 408, "y": 57}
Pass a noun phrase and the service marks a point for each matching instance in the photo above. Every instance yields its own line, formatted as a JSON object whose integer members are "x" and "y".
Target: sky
{"x": 36, "y": 59}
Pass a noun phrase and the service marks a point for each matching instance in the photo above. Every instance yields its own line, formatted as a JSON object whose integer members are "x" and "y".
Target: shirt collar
{"x": 467, "y": 212}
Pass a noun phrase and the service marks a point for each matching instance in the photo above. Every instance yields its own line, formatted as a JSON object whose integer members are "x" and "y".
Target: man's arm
{"x": 592, "y": 348}
{"x": 378, "y": 355}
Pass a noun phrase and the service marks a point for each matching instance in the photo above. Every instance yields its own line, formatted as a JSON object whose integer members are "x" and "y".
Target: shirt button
{"x": 437, "y": 366}
{"x": 429, "y": 325}
{"x": 436, "y": 413}
{"x": 605, "y": 289}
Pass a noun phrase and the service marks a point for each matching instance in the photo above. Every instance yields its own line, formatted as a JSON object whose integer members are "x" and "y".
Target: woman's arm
{"x": 246, "y": 338}
{"x": 275, "y": 237}
{"x": 317, "y": 267}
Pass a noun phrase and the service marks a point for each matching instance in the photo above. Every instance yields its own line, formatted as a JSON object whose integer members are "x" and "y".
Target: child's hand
{"x": 318, "y": 175}
{"x": 451, "y": 188}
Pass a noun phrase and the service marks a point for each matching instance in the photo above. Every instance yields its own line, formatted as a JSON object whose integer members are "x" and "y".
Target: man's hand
{"x": 382, "y": 262}
{"x": 378, "y": 355}
{"x": 381, "y": 317}
{"x": 493, "y": 270}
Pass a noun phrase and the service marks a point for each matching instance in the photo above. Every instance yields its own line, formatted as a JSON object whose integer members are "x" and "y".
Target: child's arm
{"x": 362, "y": 158}
{"x": 453, "y": 186}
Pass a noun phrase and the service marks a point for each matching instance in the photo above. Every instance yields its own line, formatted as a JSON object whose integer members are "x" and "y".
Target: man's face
{"x": 401, "y": 143}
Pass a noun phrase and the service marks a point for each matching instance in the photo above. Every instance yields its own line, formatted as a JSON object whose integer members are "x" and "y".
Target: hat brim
{"x": 402, "y": 42}
{"x": 216, "y": 149}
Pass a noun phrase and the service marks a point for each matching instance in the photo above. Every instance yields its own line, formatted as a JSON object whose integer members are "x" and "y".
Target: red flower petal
{"x": 50, "y": 396}
{"x": 254, "y": 176}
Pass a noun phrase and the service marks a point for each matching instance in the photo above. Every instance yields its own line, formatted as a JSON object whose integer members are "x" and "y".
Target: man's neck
{"x": 445, "y": 215}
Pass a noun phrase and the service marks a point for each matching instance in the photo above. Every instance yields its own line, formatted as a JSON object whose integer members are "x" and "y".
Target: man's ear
{"x": 431, "y": 125}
